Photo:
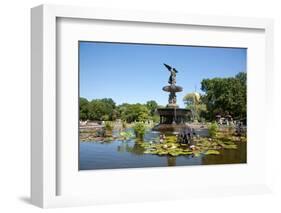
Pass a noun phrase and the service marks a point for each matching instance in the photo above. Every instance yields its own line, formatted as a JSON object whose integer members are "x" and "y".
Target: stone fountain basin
{"x": 172, "y": 88}
{"x": 171, "y": 111}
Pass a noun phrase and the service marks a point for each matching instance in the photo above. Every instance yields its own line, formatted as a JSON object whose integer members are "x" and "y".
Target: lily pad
{"x": 151, "y": 152}
{"x": 196, "y": 153}
{"x": 186, "y": 152}
{"x": 174, "y": 152}
{"x": 212, "y": 152}
{"x": 162, "y": 152}
{"x": 229, "y": 143}
{"x": 230, "y": 146}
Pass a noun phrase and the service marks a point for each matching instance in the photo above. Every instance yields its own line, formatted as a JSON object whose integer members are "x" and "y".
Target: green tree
{"x": 83, "y": 109}
{"x": 102, "y": 109}
{"x": 151, "y": 106}
{"x": 133, "y": 112}
{"x": 226, "y": 96}
{"x": 121, "y": 111}
{"x": 193, "y": 102}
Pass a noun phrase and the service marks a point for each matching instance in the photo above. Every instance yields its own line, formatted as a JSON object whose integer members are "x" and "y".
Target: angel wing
{"x": 168, "y": 67}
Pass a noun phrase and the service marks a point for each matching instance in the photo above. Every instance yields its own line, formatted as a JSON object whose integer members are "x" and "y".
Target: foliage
{"x": 133, "y": 112}
{"x": 108, "y": 125}
{"x": 193, "y": 102}
{"x": 213, "y": 129}
{"x": 124, "y": 124}
{"x": 203, "y": 146}
{"x": 125, "y": 135}
{"x": 139, "y": 129}
{"x": 212, "y": 152}
{"x": 102, "y": 109}
{"x": 155, "y": 118}
{"x": 191, "y": 98}
{"x": 151, "y": 106}
{"x": 83, "y": 108}
{"x": 225, "y": 96}
{"x": 106, "y": 110}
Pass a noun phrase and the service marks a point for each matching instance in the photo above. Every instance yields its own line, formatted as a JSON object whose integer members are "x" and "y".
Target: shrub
{"x": 139, "y": 129}
{"x": 213, "y": 129}
{"x": 155, "y": 118}
{"x": 124, "y": 124}
{"x": 125, "y": 135}
{"x": 108, "y": 126}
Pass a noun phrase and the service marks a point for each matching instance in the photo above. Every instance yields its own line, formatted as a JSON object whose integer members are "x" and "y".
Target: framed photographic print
{"x": 146, "y": 105}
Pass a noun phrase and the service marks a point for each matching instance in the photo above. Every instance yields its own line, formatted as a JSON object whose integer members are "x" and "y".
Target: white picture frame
{"x": 46, "y": 158}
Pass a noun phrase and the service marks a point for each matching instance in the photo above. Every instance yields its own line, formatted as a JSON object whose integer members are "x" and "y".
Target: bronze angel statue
{"x": 172, "y": 78}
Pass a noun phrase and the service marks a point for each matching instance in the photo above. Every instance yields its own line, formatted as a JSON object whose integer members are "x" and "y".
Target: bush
{"x": 155, "y": 118}
{"x": 213, "y": 129}
{"x": 108, "y": 125}
{"x": 139, "y": 129}
{"x": 125, "y": 135}
{"x": 124, "y": 124}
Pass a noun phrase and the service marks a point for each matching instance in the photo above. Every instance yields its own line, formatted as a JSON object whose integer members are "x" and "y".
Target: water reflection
{"x": 130, "y": 154}
{"x": 132, "y": 147}
{"x": 227, "y": 156}
{"x": 171, "y": 161}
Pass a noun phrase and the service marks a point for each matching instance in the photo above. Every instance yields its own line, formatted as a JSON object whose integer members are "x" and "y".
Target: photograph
{"x": 161, "y": 105}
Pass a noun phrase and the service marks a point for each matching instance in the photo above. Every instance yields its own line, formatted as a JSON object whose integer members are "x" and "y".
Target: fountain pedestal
{"x": 172, "y": 118}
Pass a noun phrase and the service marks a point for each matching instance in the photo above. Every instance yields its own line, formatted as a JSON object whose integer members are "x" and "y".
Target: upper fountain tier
{"x": 172, "y": 88}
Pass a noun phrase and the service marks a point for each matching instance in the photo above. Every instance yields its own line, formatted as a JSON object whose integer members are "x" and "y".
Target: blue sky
{"x": 134, "y": 73}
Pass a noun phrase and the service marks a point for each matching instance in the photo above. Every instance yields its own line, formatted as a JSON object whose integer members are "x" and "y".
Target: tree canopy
{"x": 84, "y": 108}
{"x": 106, "y": 110}
{"x": 134, "y": 112}
{"x": 97, "y": 109}
{"x": 193, "y": 102}
{"x": 151, "y": 106}
{"x": 226, "y": 96}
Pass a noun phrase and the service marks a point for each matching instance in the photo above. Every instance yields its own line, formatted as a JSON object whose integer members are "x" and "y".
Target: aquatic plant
{"x": 108, "y": 125}
{"x": 202, "y": 146}
{"x": 139, "y": 129}
{"x": 212, "y": 152}
{"x": 125, "y": 135}
{"x": 213, "y": 129}
{"x": 124, "y": 124}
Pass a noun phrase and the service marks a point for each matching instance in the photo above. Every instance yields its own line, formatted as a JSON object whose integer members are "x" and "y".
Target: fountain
{"x": 172, "y": 118}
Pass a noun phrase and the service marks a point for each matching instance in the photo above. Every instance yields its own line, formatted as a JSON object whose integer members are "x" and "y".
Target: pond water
{"x": 129, "y": 154}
